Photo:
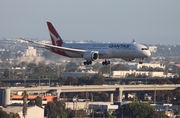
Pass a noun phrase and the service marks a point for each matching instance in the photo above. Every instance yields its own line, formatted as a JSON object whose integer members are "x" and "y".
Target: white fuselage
{"x": 110, "y": 50}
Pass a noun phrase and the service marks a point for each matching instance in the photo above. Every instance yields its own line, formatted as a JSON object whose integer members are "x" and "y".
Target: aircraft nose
{"x": 148, "y": 53}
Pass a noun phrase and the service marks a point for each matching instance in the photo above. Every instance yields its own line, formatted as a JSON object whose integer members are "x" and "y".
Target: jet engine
{"x": 129, "y": 59}
{"x": 91, "y": 56}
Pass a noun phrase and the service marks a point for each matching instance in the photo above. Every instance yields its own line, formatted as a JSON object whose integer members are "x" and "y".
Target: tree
{"x": 55, "y": 109}
{"x": 177, "y": 112}
{"x": 31, "y": 102}
{"x": 77, "y": 113}
{"x": 6, "y": 73}
{"x": 140, "y": 110}
{"x": 22, "y": 64}
{"x": 38, "y": 101}
{"x": 3, "y": 114}
{"x": 61, "y": 80}
{"x": 98, "y": 79}
{"x": 19, "y": 54}
{"x": 71, "y": 81}
{"x": 159, "y": 114}
{"x": 6, "y": 56}
{"x": 119, "y": 67}
{"x": 31, "y": 67}
{"x": 50, "y": 110}
{"x": 71, "y": 67}
{"x": 13, "y": 115}
{"x": 105, "y": 69}
{"x": 2, "y": 84}
{"x": 25, "y": 97}
{"x": 96, "y": 66}
{"x": 85, "y": 80}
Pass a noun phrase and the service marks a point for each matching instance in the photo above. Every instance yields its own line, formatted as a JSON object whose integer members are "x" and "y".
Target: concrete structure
{"x": 84, "y": 105}
{"x": 103, "y": 107}
{"x": 124, "y": 74}
{"x": 30, "y": 51}
{"x": 153, "y": 65}
{"x": 139, "y": 66}
{"x": 5, "y": 97}
{"x": 91, "y": 88}
{"x": 152, "y": 48}
{"x": 32, "y": 111}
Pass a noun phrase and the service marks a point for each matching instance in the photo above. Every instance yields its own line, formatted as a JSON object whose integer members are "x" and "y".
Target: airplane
{"x": 93, "y": 51}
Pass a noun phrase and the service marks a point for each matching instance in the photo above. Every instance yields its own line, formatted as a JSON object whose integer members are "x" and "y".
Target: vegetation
{"x": 37, "y": 101}
{"x": 145, "y": 68}
{"x": 136, "y": 109}
{"x": 4, "y": 114}
{"x": 55, "y": 109}
{"x": 25, "y": 97}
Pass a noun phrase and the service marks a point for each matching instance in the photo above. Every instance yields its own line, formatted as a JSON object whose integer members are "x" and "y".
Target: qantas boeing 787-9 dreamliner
{"x": 91, "y": 52}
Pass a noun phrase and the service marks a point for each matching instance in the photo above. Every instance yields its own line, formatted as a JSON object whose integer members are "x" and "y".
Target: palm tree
{"x": 177, "y": 112}
{"x": 25, "y": 97}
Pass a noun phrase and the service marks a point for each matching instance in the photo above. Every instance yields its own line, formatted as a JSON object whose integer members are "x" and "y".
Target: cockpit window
{"x": 144, "y": 49}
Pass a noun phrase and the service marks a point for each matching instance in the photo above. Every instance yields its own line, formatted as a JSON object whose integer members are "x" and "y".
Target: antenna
{"x": 134, "y": 42}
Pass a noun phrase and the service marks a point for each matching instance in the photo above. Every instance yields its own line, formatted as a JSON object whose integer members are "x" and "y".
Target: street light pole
{"x": 155, "y": 94}
{"x": 49, "y": 82}
{"x": 122, "y": 112}
{"x": 92, "y": 105}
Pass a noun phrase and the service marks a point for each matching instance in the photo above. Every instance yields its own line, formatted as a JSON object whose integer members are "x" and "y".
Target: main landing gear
{"x": 105, "y": 62}
{"x": 90, "y": 62}
{"x": 87, "y": 62}
{"x": 141, "y": 61}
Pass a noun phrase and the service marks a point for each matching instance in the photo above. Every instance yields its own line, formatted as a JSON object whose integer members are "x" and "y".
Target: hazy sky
{"x": 146, "y": 21}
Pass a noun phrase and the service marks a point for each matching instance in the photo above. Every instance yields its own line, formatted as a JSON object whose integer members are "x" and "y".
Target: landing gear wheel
{"x": 87, "y": 62}
{"x": 105, "y": 62}
{"x": 141, "y": 61}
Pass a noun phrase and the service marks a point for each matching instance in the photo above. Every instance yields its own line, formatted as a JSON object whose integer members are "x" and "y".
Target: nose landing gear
{"x": 141, "y": 61}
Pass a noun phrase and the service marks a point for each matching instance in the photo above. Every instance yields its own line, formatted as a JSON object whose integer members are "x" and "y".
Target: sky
{"x": 148, "y": 22}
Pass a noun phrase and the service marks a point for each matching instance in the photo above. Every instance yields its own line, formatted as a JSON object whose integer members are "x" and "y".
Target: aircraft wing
{"x": 48, "y": 46}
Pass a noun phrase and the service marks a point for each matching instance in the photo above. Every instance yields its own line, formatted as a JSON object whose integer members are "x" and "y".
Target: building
{"x": 153, "y": 65}
{"x": 32, "y": 111}
{"x": 30, "y": 51}
{"x": 139, "y": 66}
{"x": 153, "y": 48}
{"x": 124, "y": 74}
{"x": 103, "y": 107}
{"x": 45, "y": 98}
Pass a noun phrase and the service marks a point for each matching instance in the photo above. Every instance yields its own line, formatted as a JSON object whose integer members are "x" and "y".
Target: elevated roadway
{"x": 94, "y": 88}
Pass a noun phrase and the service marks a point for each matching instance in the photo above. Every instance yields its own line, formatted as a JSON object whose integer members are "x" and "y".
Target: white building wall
{"x": 152, "y": 48}
{"x": 157, "y": 74}
{"x": 123, "y": 74}
{"x": 21, "y": 101}
{"x": 30, "y": 51}
{"x": 153, "y": 65}
{"x": 33, "y": 112}
{"x": 138, "y": 66}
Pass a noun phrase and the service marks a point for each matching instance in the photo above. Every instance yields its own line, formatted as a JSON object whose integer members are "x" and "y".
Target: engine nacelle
{"x": 91, "y": 56}
{"x": 129, "y": 59}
